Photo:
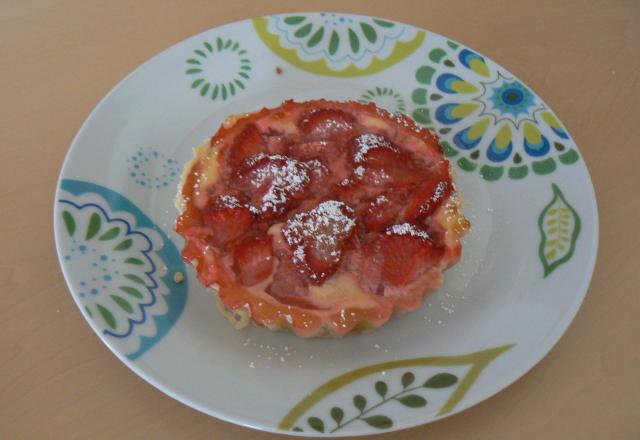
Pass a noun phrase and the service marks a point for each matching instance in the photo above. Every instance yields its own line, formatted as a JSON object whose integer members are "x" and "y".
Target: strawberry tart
{"x": 320, "y": 217}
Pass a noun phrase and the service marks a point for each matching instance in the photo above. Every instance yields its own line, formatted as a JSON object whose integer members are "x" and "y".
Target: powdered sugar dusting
{"x": 284, "y": 175}
{"x": 228, "y": 201}
{"x": 322, "y": 229}
{"x": 368, "y": 141}
{"x": 316, "y": 167}
{"x": 407, "y": 229}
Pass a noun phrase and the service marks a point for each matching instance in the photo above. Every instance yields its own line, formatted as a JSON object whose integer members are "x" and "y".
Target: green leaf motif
{"x": 407, "y": 379}
{"x": 412, "y": 401}
{"x": 369, "y": 32}
{"x": 379, "y": 422}
{"x": 337, "y": 414}
{"x": 93, "y": 227}
{"x": 334, "y": 42}
{"x": 107, "y": 316}
{"x": 442, "y": 380}
{"x": 134, "y": 260}
{"x": 559, "y": 225}
{"x": 131, "y": 291}
{"x": 295, "y": 19}
{"x": 123, "y": 245}
{"x": 383, "y": 23}
{"x": 303, "y": 31}
{"x": 69, "y": 222}
{"x": 354, "y": 42}
{"x": 110, "y": 234}
{"x": 359, "y": 402}
{"x": 123, "y": 303}
{"x": 315, "y": 38}
{"x": 381, "y": 388}
{"x": 134, "y": 278}
{"x": 316, "y": 424}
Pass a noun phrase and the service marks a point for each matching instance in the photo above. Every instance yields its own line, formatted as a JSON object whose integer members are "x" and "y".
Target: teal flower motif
{"x": 120, "y": 265}
{"x": 220, "y": 69}
{"x": 512, "y": 98}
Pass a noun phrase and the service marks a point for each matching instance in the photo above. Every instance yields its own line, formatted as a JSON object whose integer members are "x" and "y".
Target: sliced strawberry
{"x": 316, "y": 238}
{"x": 374, "y": 149}
{"x": 327, "y": 124}
{"x": 273, "y": 183}
{"x": 381, "y": 163}
{"x": 322, "y": 150}
{"x": 246, "y": 144}
{"x": 380, "y": 213}
{"x": 396, "y": 254}
{"x": 253, "y": 260}
{"x": 289, "y": 285}
{"x": 429, "y": 194}
{"x": 319, "y": 175}
{"x": 226, "y": 220}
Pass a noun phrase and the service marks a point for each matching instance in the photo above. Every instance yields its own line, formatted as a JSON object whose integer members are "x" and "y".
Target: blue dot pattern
{"x": 150, "y": 168}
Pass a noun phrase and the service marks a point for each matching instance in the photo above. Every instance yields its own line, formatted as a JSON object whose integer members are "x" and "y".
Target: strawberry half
{"x": 396, "y": 254}
{"x": 379, "y": 162}
{"x": 247, "y": 143}
{"x": 253, "y": 260}
{"x": 326, "y": 123}
{"x": 227, "y": 220}
{"x": 273, "y": 182}
{"x": 381, "y": 213}
{"x": 316, "y": 238}
{"x": 429, "y": 194}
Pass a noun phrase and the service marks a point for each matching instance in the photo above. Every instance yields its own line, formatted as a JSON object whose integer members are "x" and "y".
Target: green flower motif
{"x": 339, "y": 45}
{"x": 384, "y": 97}
{"x": 220, "y": 69}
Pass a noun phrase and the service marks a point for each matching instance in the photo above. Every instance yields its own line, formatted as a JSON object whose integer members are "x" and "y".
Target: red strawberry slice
{"x": 396, "y": 254}
{"x": 313, "y": 150}
{"x": 327, "y": 124}
{"x": 429, "y": 194}
{"x": 374, "y": 149}
{"x": 381, "y": 163}
{"x": 253, "y": 260}
{"x": 227, "y": 220}
{"x": 289, "y": 286}
{"x": 381, "y": 213}
{"x": 316, "y": 238}
{"x": 273, "y": 183}
{"x": 247, "y": 143}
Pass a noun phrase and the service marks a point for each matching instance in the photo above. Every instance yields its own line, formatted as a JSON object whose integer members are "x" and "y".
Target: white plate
{"x": 526, "y": 263}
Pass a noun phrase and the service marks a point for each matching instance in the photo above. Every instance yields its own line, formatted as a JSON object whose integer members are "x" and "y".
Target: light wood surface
{"x": 59, "y": 57}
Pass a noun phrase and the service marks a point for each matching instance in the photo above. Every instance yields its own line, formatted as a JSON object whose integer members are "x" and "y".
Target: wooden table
{"x": 59, "y": 57}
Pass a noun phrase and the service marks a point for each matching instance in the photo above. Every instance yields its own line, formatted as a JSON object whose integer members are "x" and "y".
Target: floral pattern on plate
{"x": 490, "y": 120}
{"x": 128, "y": 276}
{"x": 338, "y": 45}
